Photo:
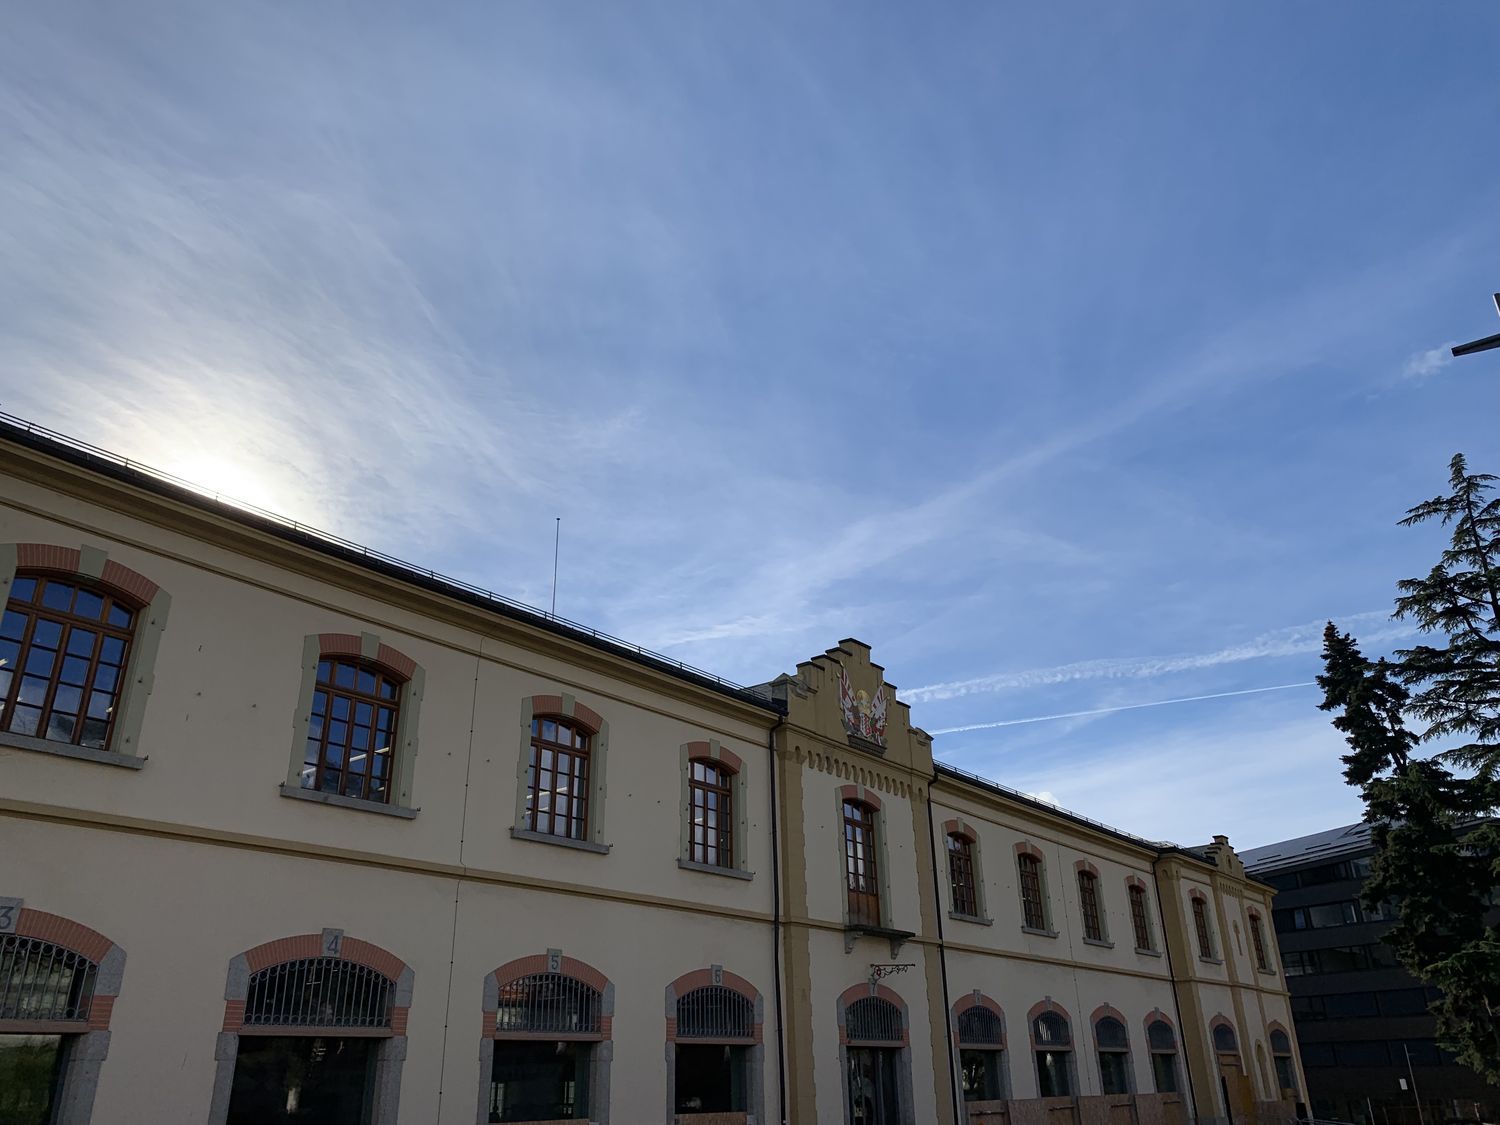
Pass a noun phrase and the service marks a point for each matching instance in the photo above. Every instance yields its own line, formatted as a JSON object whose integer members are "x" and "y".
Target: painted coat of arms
{"x": 863, "y": 716}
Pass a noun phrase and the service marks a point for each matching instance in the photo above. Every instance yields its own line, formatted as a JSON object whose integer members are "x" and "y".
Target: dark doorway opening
{"x": 539, "y": 1080}
{"x": 874, "y": 1098}
{"x": 316, "y": 1080}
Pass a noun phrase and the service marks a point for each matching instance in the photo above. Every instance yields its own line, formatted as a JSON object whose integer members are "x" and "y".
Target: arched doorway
{"x": 874, "y": 1045}
{"x": 314, "y": 1032}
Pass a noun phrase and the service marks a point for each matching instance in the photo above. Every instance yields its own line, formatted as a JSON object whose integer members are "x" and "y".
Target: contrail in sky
{"x": 1124, "y": 707}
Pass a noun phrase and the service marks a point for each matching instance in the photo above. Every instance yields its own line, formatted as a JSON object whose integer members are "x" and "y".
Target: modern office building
{"x": 291, "y": 831}
{"x": 1367, "y": 1038}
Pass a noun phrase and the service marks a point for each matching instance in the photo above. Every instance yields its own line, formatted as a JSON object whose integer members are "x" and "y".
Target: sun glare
{"x": 228, "y": 479}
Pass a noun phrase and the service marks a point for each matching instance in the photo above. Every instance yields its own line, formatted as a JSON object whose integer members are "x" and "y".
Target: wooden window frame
{"x": 1258, "y": 942}
{"x": 1200, "y": 927}
{"x": 1030, "y": 876}
{"x": 33, "y": 613}
{"x": 330, "y": 693}
{"x": 719, "y": 839}
{"x": 1140, "y": 918}
{"x": 861, "y": 840}
{"x": 963, "y": 883}
{"x": 580, "y": 775}
{"x": 1089, "y": 907}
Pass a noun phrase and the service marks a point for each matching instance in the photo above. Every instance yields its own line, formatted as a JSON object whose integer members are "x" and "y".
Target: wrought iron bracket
{"x": 880, "y": 972}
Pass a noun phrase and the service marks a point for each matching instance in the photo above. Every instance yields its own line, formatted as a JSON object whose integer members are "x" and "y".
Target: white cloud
{"x": 1422, "y": 365}
{"x": 1295, "y": 640}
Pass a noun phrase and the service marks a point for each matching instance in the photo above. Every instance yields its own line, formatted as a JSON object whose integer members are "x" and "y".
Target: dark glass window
{"x": 351, "y": 733}
{"x": 1281, "y": 1051}
{"x": 1224, "y": 1038}
{"x": 1350, "y": 1005}
{"x": 539, "y": 1080}
{"x": 1404, "y": 1002}
{"x": 1287, "y": 882}
{"x": 1200, "y": 925}
{"x": 1033, "y": 905}
{"x": 63, "y": 649}
{"x": 961, "y": 875}
{"x": 279, "y": 1080}
{"x": 1053, "y": 1041}
{"x": 1114, "y": 1055}
{"x": 1138, "y": 918}
{"x": 1424, "y": 1052}
{"x": 557, "y": 780}
{"x": 30, "y": 1067}
{"x": 1362, "y": 1053}
{"x": 1317, "y": 1054}
{"x": 710, "y": 787}
{"x": 1161, "y": 1041}
{"x": 711, "y": 1078}
{"x": 861, "y": 875}
{"x": 1088, "y": 903}
{"x": 1300, "y": 964}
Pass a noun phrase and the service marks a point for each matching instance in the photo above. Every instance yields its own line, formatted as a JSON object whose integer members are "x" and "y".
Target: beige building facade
{"x": 292, "y": 832}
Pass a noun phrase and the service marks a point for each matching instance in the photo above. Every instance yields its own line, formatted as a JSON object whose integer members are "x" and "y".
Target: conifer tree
{"x": 1438, "y": 858}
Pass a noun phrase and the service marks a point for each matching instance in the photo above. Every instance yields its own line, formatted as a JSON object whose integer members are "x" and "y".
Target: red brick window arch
{"x": 58, "y": 984}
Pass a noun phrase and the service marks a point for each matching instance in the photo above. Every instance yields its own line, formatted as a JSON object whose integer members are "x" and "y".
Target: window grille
{"x": 1051, "y": 1030}
{"x": 980, "y": 1027}
{"x": 717, "y": 1013}
{"x": 42, "y": 981}
{"x": 873, "y": 1020}
{"x": 1161, "y": 1037}
{"x": 550, "y": 1002}
{"x": 1224, "y": 1039}
{"x": 1110, "y": 1035}
{"x": 319, "y": 992}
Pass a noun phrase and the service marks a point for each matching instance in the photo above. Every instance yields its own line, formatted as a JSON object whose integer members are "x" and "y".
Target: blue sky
{"x": 1073, "y": 356}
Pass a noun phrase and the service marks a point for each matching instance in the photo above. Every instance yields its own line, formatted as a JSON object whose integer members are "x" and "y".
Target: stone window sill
{"x": 1100, "y": 942}
{"x": 1267, "y": 972}
{"x": 338, "y": 800}
{"x": 67, "y": 750}
{"x": 1037, "y": 932}
{"x": 1148, "y": 952}
{"x": 558, "y": 841}
{"x": 1211, "y": 960}
{"x": 977, "y": 919}
{"x": 710, "y": 869}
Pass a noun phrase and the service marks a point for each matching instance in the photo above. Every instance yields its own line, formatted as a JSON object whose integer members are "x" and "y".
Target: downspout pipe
{"x": 937, "y": 912}
{"x": 776, "y": 922}
{"x": 1166, "y": 946}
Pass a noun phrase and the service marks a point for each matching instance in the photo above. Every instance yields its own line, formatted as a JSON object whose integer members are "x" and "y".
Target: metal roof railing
{"x": 77, "y": 450}
{"x": 1028, "y": 799}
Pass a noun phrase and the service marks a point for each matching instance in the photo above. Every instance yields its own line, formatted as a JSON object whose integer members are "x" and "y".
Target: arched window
{"x": 1281, "y": 1054}
{"x": 1033, "y": 900}
{"x": 1258, "y": 941}
{"x": 1161, "y": 1041}
{"x": 961, "y": 875}
{"x": 314, "y": 1025}
{"x": 546, "y": 1028}
{"x": 64, "y": 644}
{"x": 351, "y": 734}
{"x": 1114, "y": 1055}
{"x": 557, "y": 781}
{"x": 875, "y": 1058}
{"x": 1088, "y": 904}
{"x": 1224, "y": 1038}
{"x": 715, "y": 1067}
{"x": 1052, "y": 1041}
{"x": 58, "y": 982}
{"x": 862, "y": 876}
{"x": 1200, "y": 926}
{"x": 1140, "y": 921}
{"x": 981, "y": 1054}
{"x": 711, "y": 797}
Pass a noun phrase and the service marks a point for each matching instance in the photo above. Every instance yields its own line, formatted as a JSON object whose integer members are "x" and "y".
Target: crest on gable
{"x": 864, "y": 717}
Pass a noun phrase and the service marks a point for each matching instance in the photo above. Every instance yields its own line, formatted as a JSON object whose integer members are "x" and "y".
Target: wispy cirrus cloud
{"x": 1425, "y": 364}
{"x": 1295, "y": 640}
